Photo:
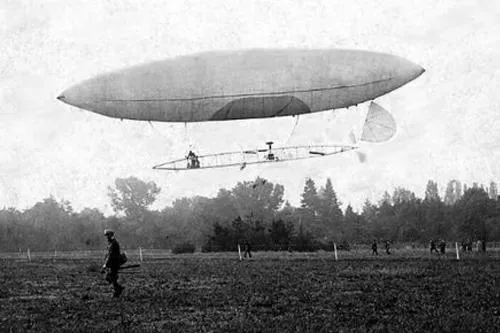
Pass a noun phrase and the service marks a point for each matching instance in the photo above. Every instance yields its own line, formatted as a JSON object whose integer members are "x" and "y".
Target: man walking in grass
{"x": 112, "y": 263}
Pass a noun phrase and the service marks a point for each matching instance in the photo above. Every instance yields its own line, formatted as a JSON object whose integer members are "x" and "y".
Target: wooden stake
{"x": 335, "y": 251}
{"x": 29, "y": 255}
{"x": 140, "y": 253}
{"x": 239, "y": 252}
{"x": 456, "y": 247}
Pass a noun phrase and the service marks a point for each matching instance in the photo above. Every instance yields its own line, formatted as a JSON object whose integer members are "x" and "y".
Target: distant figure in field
{"x": 483, "y": 245}
{"x": 387, "y": 247}
{"x": 374, "y": 248}
{"x": 112, "y": 263}
{"x": 469, "y": 245}
{"x": 248, "y": 249}
{"x": 442, "y": 246}
{"x": 433, "y": 246}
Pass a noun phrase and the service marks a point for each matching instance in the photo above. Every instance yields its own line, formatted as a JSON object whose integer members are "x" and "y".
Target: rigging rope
{"x": 293, "y": 130}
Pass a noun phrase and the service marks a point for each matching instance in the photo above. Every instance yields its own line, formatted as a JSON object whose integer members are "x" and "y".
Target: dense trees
{"x": 255, "y": 211}
{"x": 132, "y": 196}
{"x": 476, "y": 214}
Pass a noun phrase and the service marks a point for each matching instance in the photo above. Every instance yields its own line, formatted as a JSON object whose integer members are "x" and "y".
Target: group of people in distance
{"x": 436, "y": 246}
{"x": 387, "y": 245}
{"x": 466, "y": 246}
{"x": 442, "y": 246}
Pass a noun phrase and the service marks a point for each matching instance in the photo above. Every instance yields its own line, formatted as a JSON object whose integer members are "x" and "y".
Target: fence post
{"x": 335, "y": 251}
{"x": 456, "y": 248}
{"x": 140, "y": 253}
{"x": 29, "y": 255}
{"x": 239, "y": 251}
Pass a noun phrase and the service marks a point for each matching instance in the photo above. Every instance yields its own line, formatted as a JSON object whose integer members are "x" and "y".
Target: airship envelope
{"x": 228, "y": 85}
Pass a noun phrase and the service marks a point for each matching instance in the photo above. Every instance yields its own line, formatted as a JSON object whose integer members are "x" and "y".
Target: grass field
{"x": 409, "y": 291}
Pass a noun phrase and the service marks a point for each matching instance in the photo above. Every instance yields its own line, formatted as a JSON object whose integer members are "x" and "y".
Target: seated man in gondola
{"x": 191, "y": 157}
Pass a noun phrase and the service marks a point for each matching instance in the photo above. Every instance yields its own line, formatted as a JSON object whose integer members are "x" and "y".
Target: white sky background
{"x": 448, "y": 119}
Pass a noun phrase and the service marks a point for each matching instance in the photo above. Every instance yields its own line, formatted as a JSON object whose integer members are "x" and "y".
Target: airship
{"x": 244, "y": 84}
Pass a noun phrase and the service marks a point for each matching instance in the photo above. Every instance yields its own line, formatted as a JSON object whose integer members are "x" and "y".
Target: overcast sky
{"x": 448, "y": 119}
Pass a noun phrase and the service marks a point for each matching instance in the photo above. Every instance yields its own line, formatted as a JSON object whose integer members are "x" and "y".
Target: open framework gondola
{"x": 249, "y": 157}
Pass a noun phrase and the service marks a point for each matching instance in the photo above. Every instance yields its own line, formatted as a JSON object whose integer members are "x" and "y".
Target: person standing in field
{"x": 469, "y": 245}
{"x": 374, "y": 248}
{"x": 387, "y": 247}
{"x": 112, "y": 263}
{"x": 483, "y": 245}
{"x": 433, "y": 246}
{"x": 442, "y": 246}
{"x": 248, "y": 249}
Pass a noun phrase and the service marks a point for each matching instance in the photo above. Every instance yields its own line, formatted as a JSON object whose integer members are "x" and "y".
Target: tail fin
{"x": 379, "y": 125}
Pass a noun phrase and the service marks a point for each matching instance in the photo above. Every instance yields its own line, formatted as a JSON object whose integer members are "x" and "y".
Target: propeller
{"x": 361, "y": 156}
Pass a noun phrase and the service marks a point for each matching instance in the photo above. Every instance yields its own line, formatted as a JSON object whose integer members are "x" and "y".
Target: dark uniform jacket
{"x": 113, "y": 259}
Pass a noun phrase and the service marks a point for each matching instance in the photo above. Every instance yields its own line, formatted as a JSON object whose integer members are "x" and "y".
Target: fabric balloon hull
{"x": 219, "y": 86}
{"x": 228, "y": 108}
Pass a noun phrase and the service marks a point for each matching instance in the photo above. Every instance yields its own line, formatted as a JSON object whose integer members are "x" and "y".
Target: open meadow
{"x": 408, "y": 291}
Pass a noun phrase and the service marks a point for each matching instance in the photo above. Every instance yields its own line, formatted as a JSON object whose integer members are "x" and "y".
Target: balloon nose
{"x": 61, "y": 97}
{"x": 422, "y": 70}
{"x": 412, "y": 70}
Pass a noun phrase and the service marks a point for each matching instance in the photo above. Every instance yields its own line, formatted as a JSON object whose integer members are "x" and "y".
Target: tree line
{"x": 255, "y": 211}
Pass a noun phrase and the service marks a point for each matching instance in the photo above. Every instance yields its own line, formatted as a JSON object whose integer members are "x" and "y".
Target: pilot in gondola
{"x": 191, "y": 158}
